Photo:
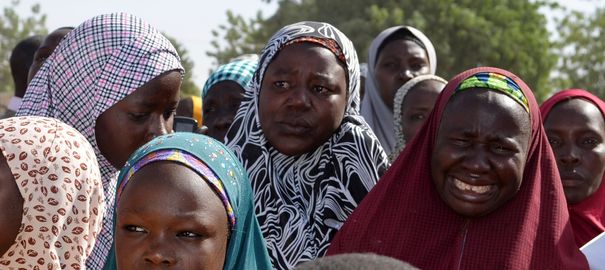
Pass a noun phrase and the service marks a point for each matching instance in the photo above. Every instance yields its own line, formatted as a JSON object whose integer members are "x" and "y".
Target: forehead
{"x": 484, "y": 107}
{"x": 165, "y": 85}
{"x": 172, "y": 185}
{"x": 224, "y": 89}
{"x": 422, "y": 94}
{"x": 312, "y": 52}
{"x": 575, "y": 111}
{"x": 402, "y": 47}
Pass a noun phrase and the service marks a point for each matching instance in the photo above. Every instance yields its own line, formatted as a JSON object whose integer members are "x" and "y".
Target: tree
{"x": 188, "y": 87}
{"x": 581, "y": 47}
{"x": 241, "y": 37}
{"x": 509, "y": 34}
{"x": 13, "y": 29}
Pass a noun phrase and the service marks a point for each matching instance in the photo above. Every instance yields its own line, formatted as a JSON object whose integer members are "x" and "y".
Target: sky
{"x": 190, "y": 22}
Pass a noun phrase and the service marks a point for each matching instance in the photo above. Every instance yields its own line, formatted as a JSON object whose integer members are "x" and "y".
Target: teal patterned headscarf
{"x": 240, "y": 71}
{"x": 220, "y": 168}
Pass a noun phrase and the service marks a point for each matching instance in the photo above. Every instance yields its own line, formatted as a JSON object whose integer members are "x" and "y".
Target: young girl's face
{"x": 417, "y": 105}
{"x": 168, "y": 216}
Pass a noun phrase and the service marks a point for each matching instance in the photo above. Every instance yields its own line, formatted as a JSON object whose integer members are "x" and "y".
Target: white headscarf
{"x": 373, "y": 109}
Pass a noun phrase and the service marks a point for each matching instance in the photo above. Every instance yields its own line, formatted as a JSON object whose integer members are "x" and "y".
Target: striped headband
{"x": 191, "y": 162}
{"x": 329, "y": 44}
{"x": 497, "y": 82}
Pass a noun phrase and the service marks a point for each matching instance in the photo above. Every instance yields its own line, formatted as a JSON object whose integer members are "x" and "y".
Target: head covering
{"x": 216, "y": 165}
{"x": 301, "y": 201}
{"x": 404, "y": 217}
{"x": 356, "y": 261}
{"x": 59, "y": 180}
{"x": 373, "y": 108}
{"x": 196, "y": 102}
{"x": 587, "y": 217}
{"x": 98, "y": 64}
{"x": 363, "y": 70}
{"x": 397, "y": 107}
{"x": 240, "y": 71}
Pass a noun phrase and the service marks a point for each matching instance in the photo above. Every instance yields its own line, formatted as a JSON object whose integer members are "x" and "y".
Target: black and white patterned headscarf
{"x": 96, "y": 65}
{"x": 301, "y": 201}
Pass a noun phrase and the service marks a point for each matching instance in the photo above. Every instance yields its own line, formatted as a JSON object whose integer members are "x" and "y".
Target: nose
{"x": 299, "y": 98}
{"x": 568, "y": 155}
{"x": 406, "y": 74}
{"x": 158, "y": 126}
{"x": 476, "y": 163}
{"x": 158, "y": 253}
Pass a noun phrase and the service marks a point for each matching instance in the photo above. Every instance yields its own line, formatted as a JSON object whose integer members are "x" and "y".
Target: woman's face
{"x": 220, "y": 106}
{"x": 12, "y": 207}
{"x": 139, "y": 117}
{"x": 417, "y": 105}
{"x": 576, "y": 132}
{"x": 399, "y": 61}
{"x": 479, "y": 156}
{"x": 303, "y": 98}
{"x": 168, "y": 216}
{"x": 47, "y": 47}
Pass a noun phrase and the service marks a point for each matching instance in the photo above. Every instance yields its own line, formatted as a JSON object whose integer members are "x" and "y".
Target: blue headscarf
{"x": 246, "y": 247}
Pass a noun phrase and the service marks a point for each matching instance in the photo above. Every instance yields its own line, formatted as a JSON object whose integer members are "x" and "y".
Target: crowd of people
{"x": 300, "y": 158}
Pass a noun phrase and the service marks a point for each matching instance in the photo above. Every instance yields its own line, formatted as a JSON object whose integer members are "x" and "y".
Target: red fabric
{"x": 587, "y": 217}
{"x": 404, "y": 217}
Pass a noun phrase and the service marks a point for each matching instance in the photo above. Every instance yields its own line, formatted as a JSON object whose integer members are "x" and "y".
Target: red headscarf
{"x": 404, "y": 217}
{"x": 587, "y": 217}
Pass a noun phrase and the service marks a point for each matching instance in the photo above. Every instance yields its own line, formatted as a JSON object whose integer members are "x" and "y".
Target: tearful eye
{"x": 501, "y": 149}
{"x": 460, "y": 142}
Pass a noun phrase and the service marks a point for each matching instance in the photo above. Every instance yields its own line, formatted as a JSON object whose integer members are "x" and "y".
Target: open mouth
{"x": 471, "y": 192}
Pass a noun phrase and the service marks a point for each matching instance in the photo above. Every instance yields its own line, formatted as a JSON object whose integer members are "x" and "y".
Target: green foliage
{"x": 240, "y": 36}
{"x": 509, "y": 34}
{"x": 581, "y": 46}
{"x": 188, "y": 87}
{"x": 13, "y": 29}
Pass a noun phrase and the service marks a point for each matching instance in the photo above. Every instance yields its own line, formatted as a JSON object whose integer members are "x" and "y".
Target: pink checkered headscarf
{"x": 95, "y": 66}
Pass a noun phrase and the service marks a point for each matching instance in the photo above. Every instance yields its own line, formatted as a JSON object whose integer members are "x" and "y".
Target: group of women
{"x": 297, "y": 165}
